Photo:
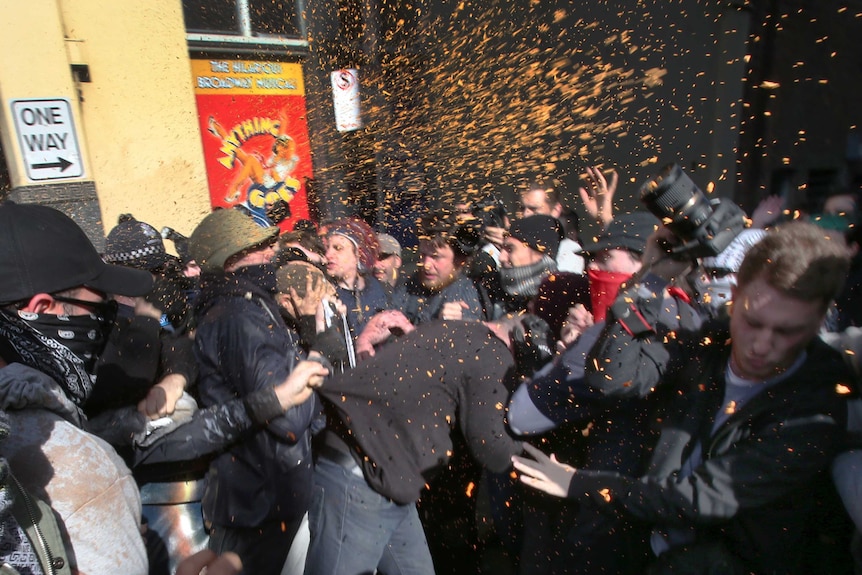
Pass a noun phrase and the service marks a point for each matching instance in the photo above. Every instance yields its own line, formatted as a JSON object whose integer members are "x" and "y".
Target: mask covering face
{"x": 603, "y": 290}
{"x": 84, "y": 335}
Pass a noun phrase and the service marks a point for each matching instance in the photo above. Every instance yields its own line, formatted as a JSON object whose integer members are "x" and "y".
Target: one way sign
{"x": 49, "y": 143}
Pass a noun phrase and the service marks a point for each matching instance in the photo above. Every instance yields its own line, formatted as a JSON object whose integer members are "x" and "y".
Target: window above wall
{"x": 245, "y": 24}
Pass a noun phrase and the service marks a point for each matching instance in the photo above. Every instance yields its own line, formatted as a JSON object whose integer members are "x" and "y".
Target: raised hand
{"x": 598, "y": 195}
{"x": 767, "y": 211}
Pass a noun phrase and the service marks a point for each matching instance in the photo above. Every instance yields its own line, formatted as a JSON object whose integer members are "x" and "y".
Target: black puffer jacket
{"x": 242, "y": 345}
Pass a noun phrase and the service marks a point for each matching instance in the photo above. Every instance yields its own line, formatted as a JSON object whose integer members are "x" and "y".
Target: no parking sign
{"x": 345, "y": 99}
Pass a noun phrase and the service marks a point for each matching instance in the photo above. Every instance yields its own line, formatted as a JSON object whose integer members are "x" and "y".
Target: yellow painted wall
{"x": 33, "y": 65}
{"x": 137, "y": 121}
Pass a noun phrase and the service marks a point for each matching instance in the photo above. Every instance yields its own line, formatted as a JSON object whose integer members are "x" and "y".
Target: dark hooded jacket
{"x": 243, "y": 345}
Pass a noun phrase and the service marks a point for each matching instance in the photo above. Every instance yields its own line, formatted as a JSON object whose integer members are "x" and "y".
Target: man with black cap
{"x": 528, "y": 255}
{"x": 259, "y": 490}
{"x": 54, "y": 318}
{"x": 615, "y": 255}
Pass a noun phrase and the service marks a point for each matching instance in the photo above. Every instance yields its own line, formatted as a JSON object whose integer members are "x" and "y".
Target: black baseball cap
{"x": 626, "y": 231}
{"x": 44, "y": 251}
{"x": 541, "y": 233}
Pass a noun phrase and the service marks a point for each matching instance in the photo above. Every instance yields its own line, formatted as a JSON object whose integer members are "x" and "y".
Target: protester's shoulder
{"x": 35, "y": 427}
{"x": 18, "y": 374}
{"x": 374, "y": 296}
{"x": 450, "y": 336}
{"x": 373, "y": 287}
{"x": 406, "y": 288}
{"x": 474, "y": 340}
{"x": 462, "y": 286}
{"x": 25, "y": 388}
{"x": 236, "y": 312}
{"x": 679, "y": 312}
{"x": 704, "y": 334}
{"x": 464, "y": 328}
{"x": 481, "y": 264}
{"x": 401, "y": 290}
{"x": 828, "y": 361}
{"x": 57, "y": 459}
{"x": 848, "y": 342}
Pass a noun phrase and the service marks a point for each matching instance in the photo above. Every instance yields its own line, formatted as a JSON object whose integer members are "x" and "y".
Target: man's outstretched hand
{"x": 300, "y": 384}
{"x": 542, "y": 472}
{"x": 379, "y": 328}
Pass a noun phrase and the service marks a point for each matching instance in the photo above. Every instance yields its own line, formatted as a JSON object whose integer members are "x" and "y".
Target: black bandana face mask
{"x": 85, "y": 335}
{"x": 63, "y": 347}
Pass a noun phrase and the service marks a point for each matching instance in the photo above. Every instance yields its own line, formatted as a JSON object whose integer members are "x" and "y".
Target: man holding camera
{"x": 751, "y": 411}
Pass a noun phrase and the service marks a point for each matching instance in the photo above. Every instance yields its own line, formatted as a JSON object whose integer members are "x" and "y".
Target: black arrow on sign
{"x": 61, "y": 163}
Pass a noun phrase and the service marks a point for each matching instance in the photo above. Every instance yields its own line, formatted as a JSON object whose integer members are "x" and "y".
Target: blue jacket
{"x": 243, "y": 345}
{"x": 421, "y": 305}
{"x": 362, "y": 304}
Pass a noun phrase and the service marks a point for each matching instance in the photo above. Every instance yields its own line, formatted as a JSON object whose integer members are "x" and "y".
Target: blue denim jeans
{"x": 355, "y": 530}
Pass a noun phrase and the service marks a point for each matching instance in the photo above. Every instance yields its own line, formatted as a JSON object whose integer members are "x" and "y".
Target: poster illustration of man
{"x": 255, "y": 138}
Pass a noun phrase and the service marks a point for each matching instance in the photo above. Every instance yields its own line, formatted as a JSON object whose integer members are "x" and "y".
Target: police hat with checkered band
{"x": 135, "y": 244}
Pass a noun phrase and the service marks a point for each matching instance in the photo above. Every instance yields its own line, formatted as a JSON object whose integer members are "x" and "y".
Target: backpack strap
{"x": 38, "y": 521}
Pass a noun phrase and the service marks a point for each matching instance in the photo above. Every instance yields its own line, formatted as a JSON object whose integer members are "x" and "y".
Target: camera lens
{"x": 674, "y": 198}
{"x": 704, "y": 229}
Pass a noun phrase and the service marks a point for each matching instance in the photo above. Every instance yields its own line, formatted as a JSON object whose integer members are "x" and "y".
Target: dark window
{"x": 211, "y": 16}
{"x": 266, "y": 17}
{"x": 277, "y": 17}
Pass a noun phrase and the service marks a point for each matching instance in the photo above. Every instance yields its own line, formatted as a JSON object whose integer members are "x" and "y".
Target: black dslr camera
{"x": 490, "y": 211}
{"x": 704, "y": 228}
{"x": 466, "y": 235}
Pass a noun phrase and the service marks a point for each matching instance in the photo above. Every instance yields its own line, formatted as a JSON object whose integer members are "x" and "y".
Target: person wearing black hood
{"x": 259, "y": 490}
{"x": 149, "y": 343}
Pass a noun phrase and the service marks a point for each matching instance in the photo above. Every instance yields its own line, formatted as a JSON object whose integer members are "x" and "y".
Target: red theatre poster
{"x": 255, "y": 137}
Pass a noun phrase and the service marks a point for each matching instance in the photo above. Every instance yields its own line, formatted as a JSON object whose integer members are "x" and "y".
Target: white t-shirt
{"x": 569, "y": 258}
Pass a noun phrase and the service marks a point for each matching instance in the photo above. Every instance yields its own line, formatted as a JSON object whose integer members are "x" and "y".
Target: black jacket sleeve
{"x": 211, "y": 430}
{"x": 178, "y": 357}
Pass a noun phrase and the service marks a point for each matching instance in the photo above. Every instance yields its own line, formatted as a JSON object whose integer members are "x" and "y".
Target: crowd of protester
{"x": 522, "y": 400}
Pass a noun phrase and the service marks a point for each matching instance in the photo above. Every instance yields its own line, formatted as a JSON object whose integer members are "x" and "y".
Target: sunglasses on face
{"x": 105, "y": 311}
